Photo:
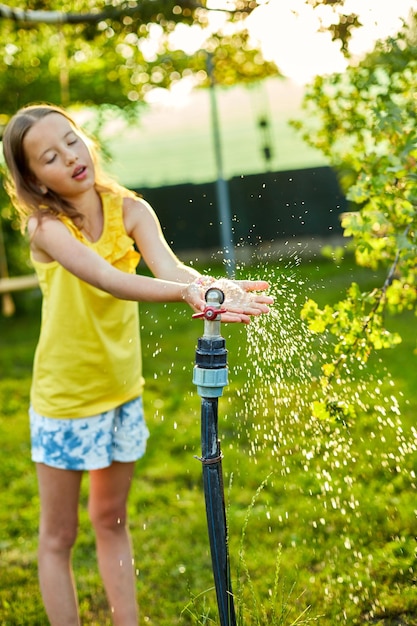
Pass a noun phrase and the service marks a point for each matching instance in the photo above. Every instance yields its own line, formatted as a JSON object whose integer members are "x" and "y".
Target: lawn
{"x": 331, "y": 508}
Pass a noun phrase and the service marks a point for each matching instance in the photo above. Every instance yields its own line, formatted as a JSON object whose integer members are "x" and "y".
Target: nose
{"x": 70, "y": 156}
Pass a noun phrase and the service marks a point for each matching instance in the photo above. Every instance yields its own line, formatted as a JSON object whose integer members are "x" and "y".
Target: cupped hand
{"x": 194, "y": 295}
{"x": 241, "y": 302}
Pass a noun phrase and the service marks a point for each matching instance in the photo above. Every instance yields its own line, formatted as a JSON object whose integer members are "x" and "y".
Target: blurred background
{"x": 198, "y": 107}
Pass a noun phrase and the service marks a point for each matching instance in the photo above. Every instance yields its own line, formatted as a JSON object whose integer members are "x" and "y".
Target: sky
{"x": 287, "y": 32}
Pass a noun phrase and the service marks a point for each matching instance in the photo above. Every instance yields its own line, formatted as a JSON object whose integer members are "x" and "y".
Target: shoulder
{"x": 135, "y": 204}
{"x": 42, "y": 230}
{"x": 137, "y": 212}
{"x": 40, "y": 226}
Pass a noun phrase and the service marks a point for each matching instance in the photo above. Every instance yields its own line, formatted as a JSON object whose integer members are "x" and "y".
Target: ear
{"x": 37, "y": 186}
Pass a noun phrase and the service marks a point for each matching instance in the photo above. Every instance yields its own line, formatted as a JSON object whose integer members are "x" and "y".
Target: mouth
{"x": 79, "y": 171}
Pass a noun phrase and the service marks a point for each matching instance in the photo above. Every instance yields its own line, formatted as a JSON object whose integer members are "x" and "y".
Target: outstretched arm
{"x": 51, "y": 240}
{"x": 173, "y": 282}
{"x": 143, "y": 226}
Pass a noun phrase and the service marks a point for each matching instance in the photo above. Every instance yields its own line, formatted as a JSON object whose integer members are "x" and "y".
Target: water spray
{"x": 210, "y": 376}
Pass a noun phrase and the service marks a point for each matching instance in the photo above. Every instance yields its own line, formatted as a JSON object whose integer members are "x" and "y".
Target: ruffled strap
{"x": 74, "y": 230}
{"x": 115, "y": 245}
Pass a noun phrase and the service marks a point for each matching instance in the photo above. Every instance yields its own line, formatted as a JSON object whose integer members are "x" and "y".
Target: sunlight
{"x": 379, "y": 20}
{"x": 292, "y": 34}
{"x": 288, "y": 33}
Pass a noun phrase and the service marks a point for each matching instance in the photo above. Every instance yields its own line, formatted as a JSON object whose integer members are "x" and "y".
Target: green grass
{"x": 330, "y": 536}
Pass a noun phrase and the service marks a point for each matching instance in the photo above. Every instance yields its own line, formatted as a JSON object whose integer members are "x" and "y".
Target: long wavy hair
{"x": 26, "y": 196}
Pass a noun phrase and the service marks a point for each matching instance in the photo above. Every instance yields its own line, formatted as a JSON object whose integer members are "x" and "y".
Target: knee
{"x": 58, "y": 537}
{"x": 107, "y": 516}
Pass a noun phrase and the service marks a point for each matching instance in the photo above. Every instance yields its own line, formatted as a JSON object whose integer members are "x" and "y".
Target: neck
{"x": 87, "y": 203}
{"x": 90, "y": 207}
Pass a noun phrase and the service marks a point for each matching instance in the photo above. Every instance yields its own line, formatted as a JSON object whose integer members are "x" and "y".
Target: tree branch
{"x": 61, "y": 17}
{"x": 49, "y": 17}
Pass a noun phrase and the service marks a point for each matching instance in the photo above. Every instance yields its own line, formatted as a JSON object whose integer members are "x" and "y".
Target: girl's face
{"x": 58, "y": 157}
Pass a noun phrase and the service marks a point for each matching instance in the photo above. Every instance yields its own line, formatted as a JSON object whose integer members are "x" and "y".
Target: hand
{"x": 240, "y": 303}
{"x": 193, "y": 294}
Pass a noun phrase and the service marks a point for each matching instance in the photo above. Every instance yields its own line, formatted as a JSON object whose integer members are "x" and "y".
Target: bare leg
{"x": 109, "y": 489}
{"x": 59, "y": 492}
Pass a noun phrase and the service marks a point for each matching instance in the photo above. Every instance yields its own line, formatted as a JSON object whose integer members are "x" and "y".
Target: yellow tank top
{"x": 88, "y": 358}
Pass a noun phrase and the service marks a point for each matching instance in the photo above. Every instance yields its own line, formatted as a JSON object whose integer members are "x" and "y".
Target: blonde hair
{"x": 26, "y": 196}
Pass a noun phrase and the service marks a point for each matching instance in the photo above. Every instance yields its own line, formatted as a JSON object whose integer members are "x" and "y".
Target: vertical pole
{"x": 222, "y": 191}
{"x": 210, "y": 376}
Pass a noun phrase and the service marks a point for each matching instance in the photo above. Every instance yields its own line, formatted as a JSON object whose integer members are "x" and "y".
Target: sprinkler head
{"x": 215, "y": 295}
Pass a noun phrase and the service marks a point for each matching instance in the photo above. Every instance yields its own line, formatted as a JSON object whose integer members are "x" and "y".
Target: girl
{"x": 86, "y": 409}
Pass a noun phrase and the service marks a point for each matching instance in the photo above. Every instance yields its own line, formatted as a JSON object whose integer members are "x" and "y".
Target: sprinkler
{"x": 210, "y": 376}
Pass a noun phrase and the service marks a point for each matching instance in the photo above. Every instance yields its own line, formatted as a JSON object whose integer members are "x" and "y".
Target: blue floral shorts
{"x": 90, "y": 443}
